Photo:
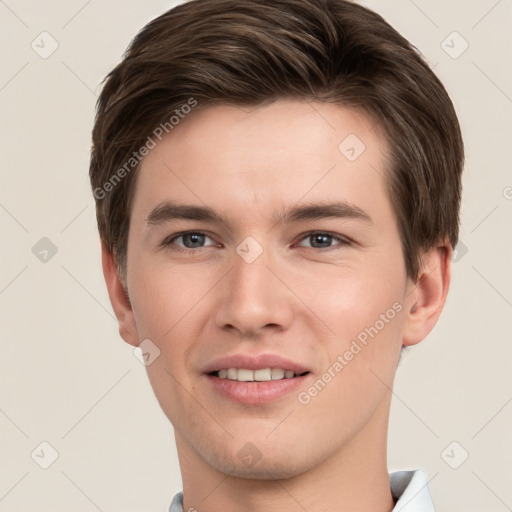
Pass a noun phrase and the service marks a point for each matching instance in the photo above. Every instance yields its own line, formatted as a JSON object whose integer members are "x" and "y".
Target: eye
{"x": 189, "y": 240}
{"x": 323, "y": 240}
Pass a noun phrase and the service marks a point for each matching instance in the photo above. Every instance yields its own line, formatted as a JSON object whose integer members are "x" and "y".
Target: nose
{"x": 254, "y": 299}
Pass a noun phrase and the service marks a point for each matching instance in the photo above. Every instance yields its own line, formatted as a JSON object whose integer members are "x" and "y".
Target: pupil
{"x": 195, "y": 238}
{"x": 321, "y": 239}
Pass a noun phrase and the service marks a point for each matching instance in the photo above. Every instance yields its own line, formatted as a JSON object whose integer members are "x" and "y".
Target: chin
{"x": 260, "y": 471}
{"x": 279, "y": 467}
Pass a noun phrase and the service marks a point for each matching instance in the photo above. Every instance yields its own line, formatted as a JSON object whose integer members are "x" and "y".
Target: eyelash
{"x": 342, "y": 241}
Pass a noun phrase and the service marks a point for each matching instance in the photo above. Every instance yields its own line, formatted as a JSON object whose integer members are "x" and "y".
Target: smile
{"x": 260, "y": 375}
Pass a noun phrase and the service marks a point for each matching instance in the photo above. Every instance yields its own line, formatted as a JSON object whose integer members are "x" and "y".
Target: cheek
{"x": 168, "y": 310}
{"x": 366, "y": 316}
{"x": 364, "y": 308}
{"x": 171, "y": 308}
{"x": 351, "y": 299}
{"x": 163, "y": 296}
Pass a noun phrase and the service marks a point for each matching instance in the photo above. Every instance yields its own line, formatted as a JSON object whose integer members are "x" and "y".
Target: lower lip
{"x": 256, "y": 392}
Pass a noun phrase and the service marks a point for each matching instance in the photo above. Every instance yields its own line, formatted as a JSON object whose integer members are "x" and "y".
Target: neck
{"x": 354, "y": 478}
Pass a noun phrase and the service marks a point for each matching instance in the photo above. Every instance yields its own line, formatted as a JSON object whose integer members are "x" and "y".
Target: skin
{"x": 297, "y": 299}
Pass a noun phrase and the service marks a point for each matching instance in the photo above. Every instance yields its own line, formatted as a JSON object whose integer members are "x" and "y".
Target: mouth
{"x": 251, "y": 378}
{"x": 256, "y": 387}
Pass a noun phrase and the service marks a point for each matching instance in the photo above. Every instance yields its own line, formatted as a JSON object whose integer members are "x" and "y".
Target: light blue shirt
{"x": 410, "y": 488}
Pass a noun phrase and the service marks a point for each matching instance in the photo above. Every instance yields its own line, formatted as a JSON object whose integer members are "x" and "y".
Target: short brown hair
{"x": 251, "y": 52}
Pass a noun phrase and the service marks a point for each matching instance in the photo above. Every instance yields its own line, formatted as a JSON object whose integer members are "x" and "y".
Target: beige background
{"x": 67, "y": 379}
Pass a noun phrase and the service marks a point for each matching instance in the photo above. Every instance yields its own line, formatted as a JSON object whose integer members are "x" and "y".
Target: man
{"x": 277, "y": 187}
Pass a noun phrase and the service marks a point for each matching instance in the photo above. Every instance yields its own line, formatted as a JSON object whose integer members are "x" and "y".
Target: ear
{"x": 119, "y": 298}
{"x": 427, "y": 296}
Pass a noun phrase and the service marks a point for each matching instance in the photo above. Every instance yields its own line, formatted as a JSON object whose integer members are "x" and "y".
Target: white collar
{"x": 410, "y": 488}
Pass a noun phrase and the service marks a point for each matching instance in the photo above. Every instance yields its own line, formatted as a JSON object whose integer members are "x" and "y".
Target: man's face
{"x": 312, "y": 290}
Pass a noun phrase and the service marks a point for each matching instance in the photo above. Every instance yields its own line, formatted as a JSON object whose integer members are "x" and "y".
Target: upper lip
{"x": 254, "y": 362}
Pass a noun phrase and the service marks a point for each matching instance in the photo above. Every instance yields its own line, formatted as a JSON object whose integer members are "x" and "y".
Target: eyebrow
{"x": 168, "y": 211}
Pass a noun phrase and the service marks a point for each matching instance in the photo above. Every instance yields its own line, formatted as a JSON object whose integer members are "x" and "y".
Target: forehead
{"x": 279, "y": 154}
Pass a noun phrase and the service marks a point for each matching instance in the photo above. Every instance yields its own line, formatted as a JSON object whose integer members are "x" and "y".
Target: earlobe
{"x": 119, "y": 297}
{"x": 427, "y": 296}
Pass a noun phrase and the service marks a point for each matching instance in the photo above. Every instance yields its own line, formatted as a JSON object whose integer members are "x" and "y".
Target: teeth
{"x": 277, "y": 373}
{"x": 263, "y": 374}
{"x": 245, "y": 375}
{"x": 260, "y": 375}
